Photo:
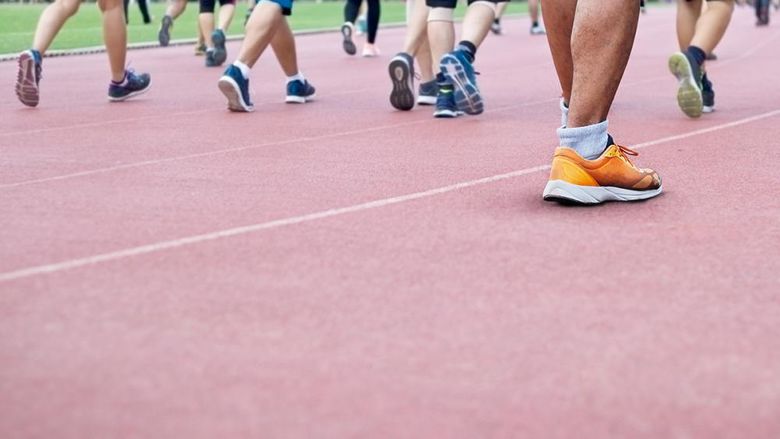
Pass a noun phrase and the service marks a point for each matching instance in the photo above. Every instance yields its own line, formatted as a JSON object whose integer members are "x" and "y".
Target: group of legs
{"x": 211, "y": 32}
{"x": 588, "y": 167}
{"x": 351, "y": 12}
{"x": 533, "y": 13}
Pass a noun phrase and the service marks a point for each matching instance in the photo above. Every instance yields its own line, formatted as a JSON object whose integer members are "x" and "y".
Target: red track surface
{"x": 339, "y": 269}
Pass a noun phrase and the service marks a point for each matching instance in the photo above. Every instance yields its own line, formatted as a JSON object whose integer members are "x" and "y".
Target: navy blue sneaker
{"x": 133, "y": 85}
{"x": 401, "y": 70}
{"x": 220, "y": 52}
{"x": 235, "y": 87}
{"x": 299, "y": 92}
{"x": 459, "y": 72}
{"x": 427, "y": 93}
{"x": 28, "y": 77}
{"x": 210, "y": 60}
{"x": 164, "y": 36}
{"x": 688, "y": 73}
{"x": 707, "y": 95}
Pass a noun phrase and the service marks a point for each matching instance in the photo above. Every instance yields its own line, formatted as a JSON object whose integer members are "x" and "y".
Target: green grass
{"x": 84, "y": 29}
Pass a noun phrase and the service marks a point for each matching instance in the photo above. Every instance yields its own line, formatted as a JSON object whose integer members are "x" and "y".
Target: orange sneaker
{"x": 611, "y": 177}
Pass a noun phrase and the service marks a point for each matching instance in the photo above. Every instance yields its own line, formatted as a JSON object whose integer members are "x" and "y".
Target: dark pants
{"x": 144, "y": 11}
{"x": 352, "y": 9}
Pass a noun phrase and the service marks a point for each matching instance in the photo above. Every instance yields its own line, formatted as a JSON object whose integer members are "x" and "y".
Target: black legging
{"x": 352, "y": 9}
{"x": 144, "y": 11}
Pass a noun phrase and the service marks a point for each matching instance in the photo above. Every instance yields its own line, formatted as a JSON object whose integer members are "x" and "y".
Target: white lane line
{"x": 375, "y": 204}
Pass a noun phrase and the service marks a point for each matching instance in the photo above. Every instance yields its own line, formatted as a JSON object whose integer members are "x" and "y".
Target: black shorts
{"x": 207, "y": 6}
{"x": 450, "y": 4}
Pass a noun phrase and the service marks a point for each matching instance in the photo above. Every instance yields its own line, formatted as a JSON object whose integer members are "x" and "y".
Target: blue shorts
{"x": 285, "y": 4}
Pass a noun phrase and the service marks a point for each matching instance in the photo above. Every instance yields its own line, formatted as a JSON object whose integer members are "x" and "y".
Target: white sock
{"x": 296, "y": 77}
{"x": 564, "y": 114}
{"x": 589, "y": 141}
{"x": 243, "y": 67}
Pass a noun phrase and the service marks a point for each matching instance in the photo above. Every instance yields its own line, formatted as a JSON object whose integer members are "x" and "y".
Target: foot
{"x": 495, "y": 27}
{"x": 29, "y": 77}
{"x": 538, "y": 30}
{"x": 707, "y": 95}
{"x": 164, "y": 36}
{"x": 401, "y": 70}
{"x": 347, "y": 29}
{"x": 200, "y": 49}
{"x": 611, "y": 177}
{"x": 445, "y": 100}
{"x": 299, "y": 92}
{"x": 133, "y": 85}
{"x": 427, "y": 92}
{"x": 235, "y": 87}
{"x": 458, "y": 71}
{"x": 220, "y": 52}
{"x": 210, "y": 60}
{"x": 688, "y": 74}
{"x": 370, "y": 50}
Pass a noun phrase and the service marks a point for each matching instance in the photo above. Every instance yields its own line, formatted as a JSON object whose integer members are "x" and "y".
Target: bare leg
{"x": 226, "y": 16}
{"x": 476, "y": 23}
{"x": 501, "y": 8}
{"x": 283, "y": 45}
{"x": 533, "y": 10}
{"x": 260, "y": 30}
{"x": 115, "y": 36}
{"x": 441, "y": 37}
{"x": 687, "y": 15}
{"x": 175, "y": 8}
{"x": 594, "y": 82}
{"x": 206, "y": 27}
{"x": 425, "y": 61}
{"x": 712, "y": 25}
{"x": 51, "y": 21}
{"x": 416, "y": 43}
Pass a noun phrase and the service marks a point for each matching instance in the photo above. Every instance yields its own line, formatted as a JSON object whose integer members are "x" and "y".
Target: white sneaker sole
{"x": 559, "y": 190}
{"x": 232, "y": 92}
{"x": 299, "y": 99}
{"x": 132, "y": 94}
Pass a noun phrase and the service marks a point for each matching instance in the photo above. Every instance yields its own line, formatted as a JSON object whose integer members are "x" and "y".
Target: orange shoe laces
{"x": 626, "y": 151}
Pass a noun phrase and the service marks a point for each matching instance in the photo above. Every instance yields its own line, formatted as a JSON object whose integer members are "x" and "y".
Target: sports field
{"x": 342, "y": 270}
{"x": 84, "y": 29}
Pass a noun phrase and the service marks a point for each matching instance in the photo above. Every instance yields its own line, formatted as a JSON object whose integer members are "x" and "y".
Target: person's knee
{"x": 69, "y": 7}
{"x": 107, "y": 5}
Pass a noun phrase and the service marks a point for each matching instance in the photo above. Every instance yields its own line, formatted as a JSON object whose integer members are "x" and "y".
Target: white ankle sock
{"x": 564, "y": 114}
{"x": 589, "y": 141}
{"x": 243, "y": 67}
{"x": 296, "y": 77}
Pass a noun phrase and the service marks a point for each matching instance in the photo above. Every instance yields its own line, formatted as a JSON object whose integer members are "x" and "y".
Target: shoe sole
{"x": 220, "y": 52}
{"x": 689, "y": 96}
{"x": 232, "y": 92}
{"x": 164, "y": 36}
{"x": 299, "y": 99}
{"x": 402, "y": 97}
{"x": 467, "y": 96}
{"x": 131, "y": 94}
{"x": 446, "y": 114}
{"x": 26, "y": 87}
{"x": 567, "y": 193}
{"x": 426, "y": 100}
{"x": 348, "y": 44}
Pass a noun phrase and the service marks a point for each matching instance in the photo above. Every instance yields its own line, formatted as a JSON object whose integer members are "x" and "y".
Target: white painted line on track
{"x": 375, "y": 204}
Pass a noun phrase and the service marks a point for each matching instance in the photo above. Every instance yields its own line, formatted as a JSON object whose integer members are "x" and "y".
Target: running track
{"x": 339, "y": 269}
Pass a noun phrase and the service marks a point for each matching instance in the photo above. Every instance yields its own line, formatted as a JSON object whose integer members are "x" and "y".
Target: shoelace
{"x": 625, "y": 152}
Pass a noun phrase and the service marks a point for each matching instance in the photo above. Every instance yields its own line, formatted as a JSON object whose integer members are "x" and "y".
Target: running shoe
{"x": 164, "y": 36}
{"x": 427, "y": 92}
{"x": 210, "y": 60}
{"x": 458, "y": 71}
{"x": 537, "y": 29}
{"x": 235, "y": 87}
{"x": 611, "y": 177}
{"x": 712, "y": 56}
{"x": 495, "y": 27}
{"x": 200, "y": 49}
{"x": 445, "y": 99}
{"x": 220, "y": 52}
{"x": 707, "y": 95}
{"x": 299, "y": 92}
{"x": 133, "y": 85}
{"x": 688, "y": 73}
{"x": 370, "y": 50}
{"x": 347, "y": 29}
{"x": 401, "y": 70}
{"x": 28, "y": 77}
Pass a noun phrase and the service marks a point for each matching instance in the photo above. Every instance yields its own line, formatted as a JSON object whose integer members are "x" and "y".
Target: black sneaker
{"x": 133, "y": 85}
{"x": 707, "y": 95}
{"x": 164, "y": 36}
{"x": 28, "y": 77}
{"x": 401, "y": 70}
{"x": 688, "y": 73}
{"x": 346, "y": 31}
